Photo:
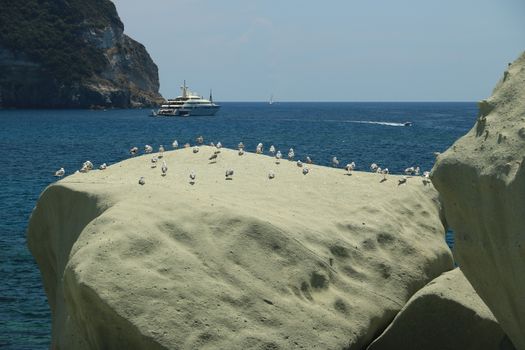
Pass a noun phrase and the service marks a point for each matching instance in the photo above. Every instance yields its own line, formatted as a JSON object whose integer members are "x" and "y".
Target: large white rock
{"x": 316, "y": 261}
{"x": 481, "y": 179}
{"x": 446, "y": 314}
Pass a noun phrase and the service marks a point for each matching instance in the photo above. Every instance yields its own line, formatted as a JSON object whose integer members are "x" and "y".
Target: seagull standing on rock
{"x": 86, "y": 167}
{"x": 103, "y": 166}
{"x": 200, "y": 140}
{"x": 196, "y": 149}
{"x": 193, "y": 176}
{"x": 299, "y": 163}
{"x": 60, "y": 172}
{"x": 335, "y": 162}
{"x": 218, "y": 145}
{"x": 175, "y": 144}
{"x": 308, "y": 160}
{"x": 306, "y": 170}
{"x": 373, "y": 167}
{"x": 164, "y": 168}
{"x": 426, "y": 178}
{"x": 229, "y": 174}
{"x": 410, "y": 171}
{"x": 133, "y": 150}
{"x": 350, "y": 167}
{"x": 278, "y": 157}
{"x": 142, "y": 181}
{"x": 161, "y": 151}
{"x": 241, "y": 151}
{"x": 154, "y": 161}
{"x": 291, "y": 154}
{"x": 259, "y": 149}
{"x": 271, "y": 174}
{"x": 148, "y": 149}
{"x": 240, "y": 146}
{"x": 384, "y": 172}
{"x": 272, "y": 150}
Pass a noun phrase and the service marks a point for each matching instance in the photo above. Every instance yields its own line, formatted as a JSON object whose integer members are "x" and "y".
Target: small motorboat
{"x": 407, "y": 123}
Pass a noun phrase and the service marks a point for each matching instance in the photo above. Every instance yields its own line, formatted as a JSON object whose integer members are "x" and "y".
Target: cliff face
{"x": 317, "y": 261}
{"x": 71, "y": 54}
{"x": 481, "y": 180}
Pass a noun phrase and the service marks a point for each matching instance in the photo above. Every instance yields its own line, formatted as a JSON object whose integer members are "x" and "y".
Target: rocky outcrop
{"x": 72, "y": 54}
{"x": 446, "y": 314}
{"x": 481, "y": 179}
{"x": 316, "y": 261}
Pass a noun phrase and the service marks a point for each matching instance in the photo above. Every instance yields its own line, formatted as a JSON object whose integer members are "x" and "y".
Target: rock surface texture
{"x": 481, "y": 180}
{"x": 446, "y": 314}
{"x": 316, "y": 261}
{"x": 71, "y": 54}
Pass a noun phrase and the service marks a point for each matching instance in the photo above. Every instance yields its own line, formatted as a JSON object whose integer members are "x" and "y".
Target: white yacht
{"x": 188, "y": 104}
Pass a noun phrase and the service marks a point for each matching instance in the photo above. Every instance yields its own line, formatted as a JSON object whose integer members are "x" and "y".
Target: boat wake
{"x": 379, "y": 123}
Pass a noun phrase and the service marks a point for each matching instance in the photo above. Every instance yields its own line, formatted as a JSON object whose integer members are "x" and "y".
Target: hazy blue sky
{"x": 340, "y": 50}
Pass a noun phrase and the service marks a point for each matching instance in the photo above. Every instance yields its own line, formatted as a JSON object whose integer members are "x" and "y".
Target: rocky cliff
{"x": 71, "y": 54}
{"x": 481, "y": 180}
{"x": 316, "y": 261}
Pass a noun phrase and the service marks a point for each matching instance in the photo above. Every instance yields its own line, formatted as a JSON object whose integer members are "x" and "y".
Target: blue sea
{"x": 35, "y": 143}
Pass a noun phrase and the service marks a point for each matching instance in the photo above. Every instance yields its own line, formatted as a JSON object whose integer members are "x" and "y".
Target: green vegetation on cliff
{"x": 52, "y": 32}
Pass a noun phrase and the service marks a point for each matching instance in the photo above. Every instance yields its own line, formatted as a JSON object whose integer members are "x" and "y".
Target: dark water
{"x": 36, "y": 143}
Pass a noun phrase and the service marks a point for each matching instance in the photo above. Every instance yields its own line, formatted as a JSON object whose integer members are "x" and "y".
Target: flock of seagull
{"x": 350, "y": 167}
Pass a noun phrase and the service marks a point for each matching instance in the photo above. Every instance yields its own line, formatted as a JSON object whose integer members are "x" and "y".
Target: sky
{"x": 332, "y": 50}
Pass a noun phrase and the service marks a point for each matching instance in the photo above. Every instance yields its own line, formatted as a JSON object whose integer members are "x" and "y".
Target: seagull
{"x": 161, "y": 151}
{"x": 133, "y": 150}
{"x": 299, "y": 163}
{"x": 426, "y": 178}
{"x": 148, "y": 149}
{"x": 193, "y": 176}
{"x": 241, "y": 152}
{"x": 278, "y": 157}
{"x": 350, "y": 167}
{"x": 291, "y": 154}
{"x": 416, "y": 171}
{"x": 60, "y": 172}
{"x": 187, "y": 145}
{"x": 196, "y": 149}
{"x": 384, "y": 172}
{"x": 259, "y": 148}
{"x": 218, "y": 145}
{"x": 229, "y": 174}
{"x": 154, "y": 161}
{"x": 200, "y": 140}
{"x": 164, "y": 168}
{"x": 335, "y": 162}
{"x": 272, "y": 150}
{"x": 175, "y": 144}
{"x": 142, "y": 181}
{"x": 402, "y": 180}
{"x": 308, "y": 160}
{"x": 271, "y": 174}
{"x": 211, "y": 144}
{"x": 379, "y": 170}
{"x": 436, "y": 154}
{"x": 410, "y": 170}
{"x": 240, "y": 146}
{"x": 305, "y": 170}
{"x": 87, "y": 166}
{"x": 213, "y": 157}
{"x": 373, "y": 167}
{"x": 103, "y": 166}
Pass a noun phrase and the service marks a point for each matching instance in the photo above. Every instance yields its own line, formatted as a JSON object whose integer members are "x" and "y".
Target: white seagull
{"x": 426, "y": 178}
{"x": 373, "y": 167}
{"x": 335, "y": 162}
{"x": 350, "y": 167}
{"x": 161, "y": 151}
{"x": 259, "y": 149}
{"x": 196, "y": 149}
{"x": 154, "y": 161}
{"x": 384, "y": 172}
{"x": 103, "y": 166}
{"x": 272, "y": 150}
{"x": 308, "y": 160}
{"x": 193, "y": 176}
{"x": 133, "y": 150}
{"x": 241, "y": 152}
{"x": 229, "y": 174}
{"x": 164, "y": 168}
{"x": 410, "y": 170}
{"x": 291, "y": 154}
{"x": 240, "y": 146}
{"x": 218, "y": 145}
{"x": 271, "y": 174}
{"x": 148, "y": 149}
{"x": 299, "y": 163}
{"x": 278, "y": 157}
{"x": 142, "y": 181}
{"x": 175, "y": 144}
{"x": 200, "y": 140}
{"x": 306, "y": 170}
{"x": 60, "y": 172}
